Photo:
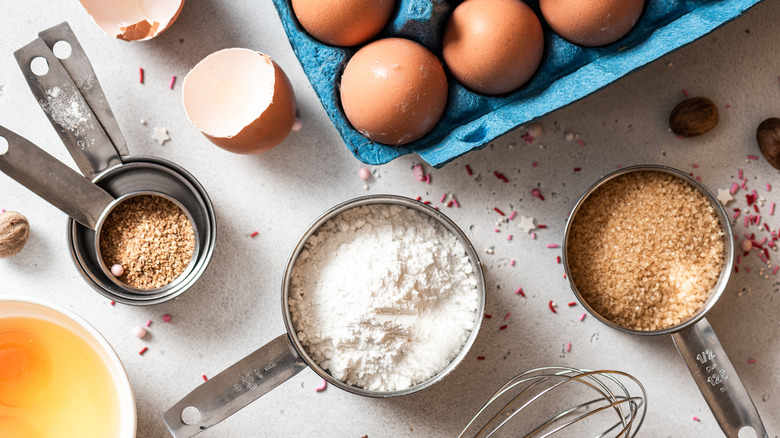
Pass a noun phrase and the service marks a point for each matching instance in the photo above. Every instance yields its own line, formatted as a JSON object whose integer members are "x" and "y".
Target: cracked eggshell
{"x": 133, "y": 20}
{"x": 393, "y": 91}
{"x": 240, "y": 99}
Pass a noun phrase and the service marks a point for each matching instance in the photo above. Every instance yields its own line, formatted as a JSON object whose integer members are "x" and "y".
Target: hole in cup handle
{"x": 3, "y": 145}
{"x": 718, "y": 381}
{"x": 229, "y": 391}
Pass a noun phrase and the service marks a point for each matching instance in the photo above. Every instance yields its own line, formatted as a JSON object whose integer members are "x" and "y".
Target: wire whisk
{"x": 582, "y": 400}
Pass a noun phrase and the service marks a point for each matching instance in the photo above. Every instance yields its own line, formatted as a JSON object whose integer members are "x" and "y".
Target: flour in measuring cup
{"x": 383, "y": 297}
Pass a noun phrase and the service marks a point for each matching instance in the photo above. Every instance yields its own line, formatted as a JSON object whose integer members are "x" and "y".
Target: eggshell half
{"x": 393, "y": 91}
{"x": 591, "y": 23}
{"x": 493, "y": 46}
{"x": 240, "y": 99}
{"x": 133, "y": 20}
{"x": 343, "y": 22}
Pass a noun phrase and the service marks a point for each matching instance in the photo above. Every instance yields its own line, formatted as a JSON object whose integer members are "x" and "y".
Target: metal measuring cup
{"x": 694, "y": 338}
{"x": 281, "y": 359}
{"x": 69, "y": 93}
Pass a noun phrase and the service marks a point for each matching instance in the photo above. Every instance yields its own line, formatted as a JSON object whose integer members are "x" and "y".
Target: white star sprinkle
{"x": 527, "y": 224}
{"x": 724, "y": 196}
{"x": 160, "y": 135}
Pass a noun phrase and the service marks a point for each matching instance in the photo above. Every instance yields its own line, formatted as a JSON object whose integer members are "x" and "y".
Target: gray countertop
{"x": 235, "y": 307}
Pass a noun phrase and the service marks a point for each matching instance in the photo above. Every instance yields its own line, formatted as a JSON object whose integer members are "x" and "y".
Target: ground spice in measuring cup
{"x": 150, "y": 237}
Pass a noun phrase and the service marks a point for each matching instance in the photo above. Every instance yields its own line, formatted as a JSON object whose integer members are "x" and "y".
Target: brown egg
{"x": 133, "y": 20}
{"x": 343, "y": 22}
{"x": 493, "y": 46}
{"x": 240, "y": 100}
{"x": 393, "y": 91}
{"x": 591, "y": 22}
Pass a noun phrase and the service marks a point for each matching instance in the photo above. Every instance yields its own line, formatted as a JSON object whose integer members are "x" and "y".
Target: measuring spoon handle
{"x": 718, "y": 381}
{"x": 232, "y": 389}
{"x": 52, "y": 180}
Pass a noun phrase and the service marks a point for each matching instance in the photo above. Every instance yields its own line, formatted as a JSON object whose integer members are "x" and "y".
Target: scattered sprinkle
{"x": 685, "y": 93}
{"x": 577, "y": 169}
{"x": 160, "y": 135}
{"x": 558, "y": 259}
{"x": 143, "y": 350}
{"x": 167, "y": 317}
{"x": 205, "y": 379}
{"x": 520, "y": 292}
{"x": 580, "y": 142}
{"x": 537, "y": 193}
{"x": 572, "y": 304}
{"x": 497, "y": 210}
{"x": 456, "y": 202}
{"x": 535, "y": 164}
{"x": 139, "y": 332}
{"x": 480, "y": 357}
{"x": 173, "y": 81}
{"x": 500, "y": 176}
{"x": 751, "y": 361}
{"x": 512, "y": 262}
{"x": 254, "y": 234}
{"x": 507, "y": 316}
{"x": 488, "y": 316}
{"x": 443, "y": 197}
{"x": 364, "y": 174}
{"x": 148, "y": 322}
{"x": 568, "y": 347}
{"x": 468, "y": 170}
{"x": 112, "y": 302}
{"x": 582, "y": 317}
{"x": 512, "y": 216}
{"x": 696, "y": 419}
{"x": 552, "y": 245}
{"x": 503, "y": 327}
{"x": 322, "y": 386}
{"x": 117, "y": 270}
{"x": 533, "y": 235}
{"x": 551, "y": 305}
{"x": 768, "y": 187}
{"x": 752, "y": 157}
{"x": 527, "y": 224}
{"x": 140, "y": 75}
{"x": 509, "y": 237}
{"x": 419, "y": 172}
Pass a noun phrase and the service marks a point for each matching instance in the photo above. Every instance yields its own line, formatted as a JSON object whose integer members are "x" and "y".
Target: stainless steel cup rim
{"x": 385, "y": 199}
{"x": 107, "y": 269}
{"x": 728, "y": 240}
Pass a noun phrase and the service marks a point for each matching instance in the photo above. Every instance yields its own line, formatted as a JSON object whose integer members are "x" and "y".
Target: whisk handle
{"x": 718, "y": 381}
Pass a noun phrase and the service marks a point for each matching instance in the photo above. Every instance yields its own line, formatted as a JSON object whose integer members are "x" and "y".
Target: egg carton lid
{"x": 567, "y": 73}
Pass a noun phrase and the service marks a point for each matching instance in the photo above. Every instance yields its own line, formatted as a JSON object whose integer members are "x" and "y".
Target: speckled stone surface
{"x": 236, "y": 307}
{"x": 568, "y": 72}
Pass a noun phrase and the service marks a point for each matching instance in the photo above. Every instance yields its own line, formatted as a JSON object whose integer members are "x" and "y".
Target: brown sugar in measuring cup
{"x": 150, "y": 237}
{"x": 648, "y": 250}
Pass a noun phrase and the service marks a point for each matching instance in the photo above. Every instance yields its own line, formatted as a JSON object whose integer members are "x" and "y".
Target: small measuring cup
{"x": 281, "y": 359}
{"x": 65, "y": 86}
{"x": 694, "y": 338}
{"x": 88, "y": 205}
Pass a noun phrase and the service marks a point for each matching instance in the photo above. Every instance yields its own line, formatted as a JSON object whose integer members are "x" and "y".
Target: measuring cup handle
{"x": 718, "y": 381}
{"x": 52, "y": 180}
{"x": 232, "y": 389}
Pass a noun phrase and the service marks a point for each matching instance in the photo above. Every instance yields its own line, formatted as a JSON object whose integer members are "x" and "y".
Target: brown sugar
{"x": 151, "y": 237}
{"x": 645, "y": 250}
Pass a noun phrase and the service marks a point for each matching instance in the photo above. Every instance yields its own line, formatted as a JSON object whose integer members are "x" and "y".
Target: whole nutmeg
{"x": 693, "y": 116}
{"x": 14, "y": 230}
{"x": 768, "y": 138}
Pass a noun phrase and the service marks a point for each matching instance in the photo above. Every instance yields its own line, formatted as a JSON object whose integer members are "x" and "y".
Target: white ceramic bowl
{"x": 18, "y": 306}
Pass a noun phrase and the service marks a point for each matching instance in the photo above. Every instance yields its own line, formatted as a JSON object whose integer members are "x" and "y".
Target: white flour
{"x": 383, "y": 297}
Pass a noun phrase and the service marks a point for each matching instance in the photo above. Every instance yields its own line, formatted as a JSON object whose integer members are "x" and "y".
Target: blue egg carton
{"x": 567, "y": 73}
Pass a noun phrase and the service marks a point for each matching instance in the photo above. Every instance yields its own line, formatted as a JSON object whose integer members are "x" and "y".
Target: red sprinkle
{"x": 503, "y": 327}
{"x": 507, "y": 316}
{"x": 166, "y": 317}
{"x": 141, "y": 75}
{"x": 500, "y": 176}
{"x": 496, "y": 209}
{"x": 205, "y": 379}
{"x": 254, "y": 234}
{"x": 520, "y": 292}
{"x": 752, "y": 157}
{"x": 541, "y": 227}
{"x": 468, "y": 169}
{"x": 751, "y": 361}
{"x": 581, "y": 143}
{"x": 572, "y": 304}
{"x": 322, "y": 386}
{"x": 480, "y": 357}
{"x": 537, "y": 193}
{"x": 685, "y": 93}
{"x": 766, "y": 226}
{"x": 558, "y": 259}
{"x": 577, "y": 169}
{"x": 143, "y": 350}
{"x": 552, "y": 306}
{"x": 488, "y": 316}
{"x": 112, "y": 302}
